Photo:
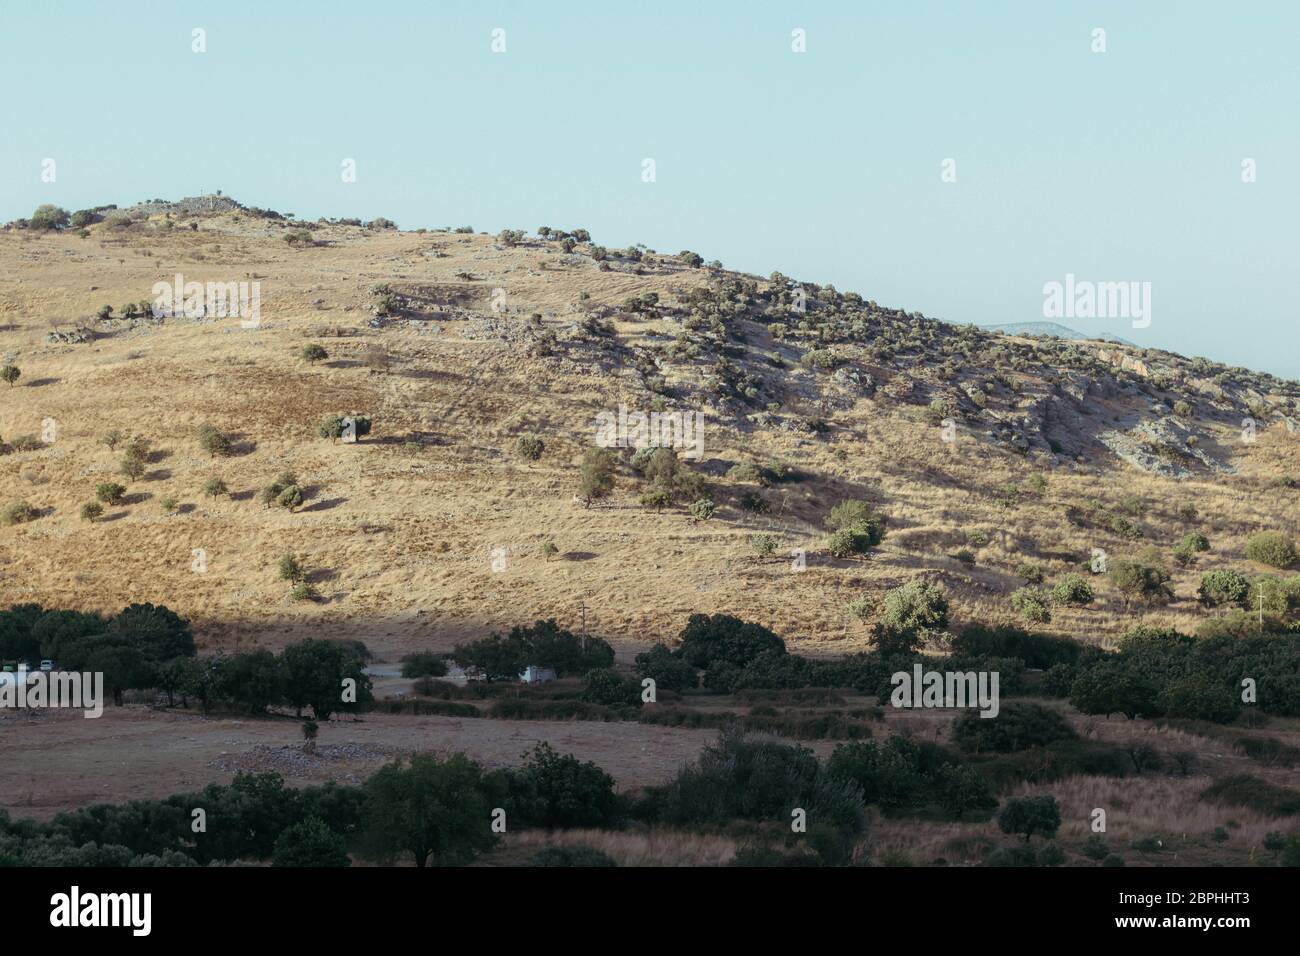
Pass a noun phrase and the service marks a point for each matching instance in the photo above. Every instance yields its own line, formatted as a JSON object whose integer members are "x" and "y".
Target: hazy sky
{"x": 1117, "y": 166}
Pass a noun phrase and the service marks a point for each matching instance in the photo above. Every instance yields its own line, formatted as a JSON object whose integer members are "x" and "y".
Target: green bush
{"x": 1031, "y": 816}
{"x": 543, "y": 643}
{"x": 309, "y": 844}
{"x": 962, "y": 791}
{"x": 860, "y": 517}
{"x": 1141, "y": 579}
{"x": 1029, "y": 573}
{"x": 1033, "y": 604}
{"x": 1277, "y": 597}
{"x": 1072, "y": 590}
{"x": 1272, "y": 548}
{"x": 290, "y": 496}
{"x": 559, "y": 791}
{"x": 133, "y": 466}
{"x": 666, "y": 669}
{"x": 702, "y": 509}
{"x": 611, "y": 689}
{"x": 1194, "y": 541}
{"x": 110, "y": 492}
{"x": 657, "y": 499}
{"x": 430, "y": 808}
{"x": 1223, "y": 586}
{"x": 1111, "y": 687}
{"x": 18, "y": 512}
{"x": 48, "y": 217}
{"x": 529, "y": 447}
{"x": 911, "y": 615}
{"x": 1017, "y": 726}
{"x": 888, "y": 773}
{"x": 424, "y": 664}
{"x": 213, "y": 441}
{"x": 596, "y": 475}
{"x": 334, "y": 426}
{"x": 741, "y": 778}
{"x": 284, "y": 491}
{"x": 708, "y": 639}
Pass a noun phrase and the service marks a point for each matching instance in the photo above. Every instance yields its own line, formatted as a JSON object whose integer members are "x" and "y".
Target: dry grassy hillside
{"x": 400, "y": 529}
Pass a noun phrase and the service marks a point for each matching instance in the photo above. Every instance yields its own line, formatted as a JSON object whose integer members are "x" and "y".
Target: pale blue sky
{"x": 825, "y": 165}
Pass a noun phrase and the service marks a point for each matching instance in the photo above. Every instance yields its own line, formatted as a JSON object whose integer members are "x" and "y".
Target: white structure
{"x": 537, "y": 675}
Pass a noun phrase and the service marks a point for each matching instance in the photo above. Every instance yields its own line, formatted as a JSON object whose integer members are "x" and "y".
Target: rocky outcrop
{"x": 1162, "y": 447}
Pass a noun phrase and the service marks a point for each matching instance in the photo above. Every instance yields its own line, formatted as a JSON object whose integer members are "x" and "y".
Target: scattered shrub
{"x": 1033, "y": 604}
{"x": 1273, "y": 548}
{"x": 18, "y": 512}
{"x": 1221, "y": 587}
{"x": 424, "y": 664}
{"x": 1018, "y": 726}
{"x": 1072, "y": 590}
{"x": 1031, "y": 816}
{"x": 529, "y": 447}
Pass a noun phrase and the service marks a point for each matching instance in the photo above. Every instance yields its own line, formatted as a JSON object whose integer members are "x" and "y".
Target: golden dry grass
{"x": 402, "y": 537}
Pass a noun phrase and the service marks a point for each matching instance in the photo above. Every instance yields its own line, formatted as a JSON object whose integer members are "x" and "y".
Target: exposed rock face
{"x": 1076, "y": 385}
{"x": 70, "y": 336}
{"x": 1124, "y": 361}
{"x": 859, "y": 382}
{"x": 1161, "y": 447}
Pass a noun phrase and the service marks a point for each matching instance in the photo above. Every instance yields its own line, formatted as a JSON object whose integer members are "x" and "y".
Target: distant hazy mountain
{"x": 1051, "y": 328}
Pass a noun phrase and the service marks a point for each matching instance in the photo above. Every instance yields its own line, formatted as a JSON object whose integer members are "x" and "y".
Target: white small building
{"x": 537, "y": 675}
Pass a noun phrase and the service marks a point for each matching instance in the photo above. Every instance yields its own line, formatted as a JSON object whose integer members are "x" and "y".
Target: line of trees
{"x": 150, "y": 647}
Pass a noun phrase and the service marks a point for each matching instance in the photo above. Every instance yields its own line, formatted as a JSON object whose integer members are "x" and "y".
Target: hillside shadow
{"x": 326, "y": 505}
{"x": 426, "y": 374}
{"x": 241, "y": 445}
{"x": 420, "y": 438}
